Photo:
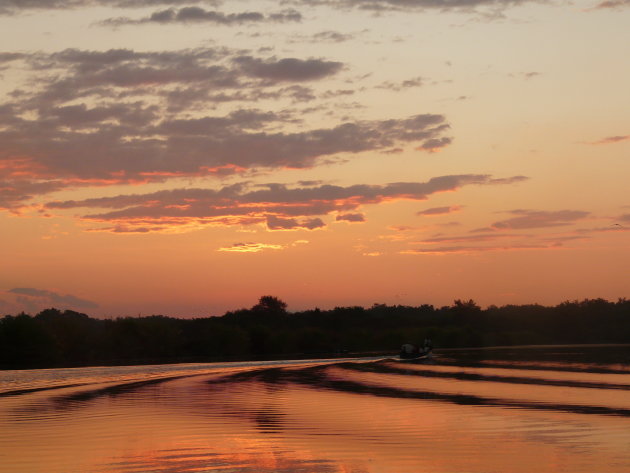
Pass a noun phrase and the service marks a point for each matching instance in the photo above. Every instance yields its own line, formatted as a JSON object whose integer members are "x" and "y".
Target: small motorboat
{"x": 411, "y": 352}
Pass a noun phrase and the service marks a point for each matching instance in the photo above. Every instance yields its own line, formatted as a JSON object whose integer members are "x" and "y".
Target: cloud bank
{"x": 96, "y": 118}
{"x": 277, "y": 206}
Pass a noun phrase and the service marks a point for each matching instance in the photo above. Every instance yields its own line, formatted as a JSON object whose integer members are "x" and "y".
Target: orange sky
{"x": 185, "y": 158}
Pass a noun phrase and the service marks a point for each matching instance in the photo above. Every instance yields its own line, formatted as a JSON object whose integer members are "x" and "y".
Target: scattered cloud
{"x": 495, "y": 6}
{"x": 323, "y": 37}
{"x": 614, "y": 228}
{"x": 287, "y": 69}
{"x": 250, "y": 247}
{"x": 492, "y": 8}
{"x": 393, "y": 151}
{"x": 524, "y": 219}
{"x": 125, "y": 136}
{"x": 474, "y": 238}
{"x": 434, "y": 145}
{"x": 38, "y": 299}
{"x": 443, "y": 250}
{"x": 353, "y": 218}
{"x": 280, "y": 223}
{"x": 400, "y": 86}
{"x": 610, "y": 139}
{"x": 192, "y": 15}
{"x": 277, "y": 206}
{"x": 613, "y": 4}
{"x": 98, "y": 118}
{"x": 12, "y": 7}
{"x": 439, "y": 211}
{"x": 526, "y": 75}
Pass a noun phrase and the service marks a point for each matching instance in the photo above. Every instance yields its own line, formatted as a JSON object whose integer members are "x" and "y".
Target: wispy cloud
{"x": 524, "y": 219}
{"x": 444, "y": 250}
{"x": 417, "y": 5}
{"x": 402, "y": 85}
{"x": 250, "y": 247}
{"x": 327, "y": 36}
{"x": 610, "y": 140}
{"x": 37, "y": 299}
{"x": 473, "y": 238}
{"x": 198, "y": 15}
{"x": 439, "y": 211}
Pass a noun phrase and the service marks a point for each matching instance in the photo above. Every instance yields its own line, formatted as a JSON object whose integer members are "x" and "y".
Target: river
{"x": 521, "y": 410}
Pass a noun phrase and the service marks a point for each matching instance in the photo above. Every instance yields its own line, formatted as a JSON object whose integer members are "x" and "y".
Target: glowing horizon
{"x": 185, "y": 158}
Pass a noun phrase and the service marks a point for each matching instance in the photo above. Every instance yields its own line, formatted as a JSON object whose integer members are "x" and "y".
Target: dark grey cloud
{"x": 48, "y": 298}
{"x": 198, "y": 96}
{"x": 76, "y": 145}
{"x": 12, "y": 7}
{"x": 287, "y": 69}
{"x": 137, "y": 126}
{"x": 279, "y": 223}
{"x": 188, "y": 15}
{"x": 9, "y": 7}
{"x": 278, "y": 206}
{"x": 353, "y": 217}
{"x": 121, "y": 73}
{"x": 10, "y": 57}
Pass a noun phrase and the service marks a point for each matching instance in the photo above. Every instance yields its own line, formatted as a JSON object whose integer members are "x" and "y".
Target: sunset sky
{"x": 185, "y": 157}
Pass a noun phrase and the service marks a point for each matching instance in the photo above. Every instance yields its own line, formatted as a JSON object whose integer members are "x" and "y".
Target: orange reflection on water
{"x": 326, "y": 419}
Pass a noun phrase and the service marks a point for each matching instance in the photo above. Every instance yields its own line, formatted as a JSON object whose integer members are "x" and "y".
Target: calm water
{"x": 551, "y": 409}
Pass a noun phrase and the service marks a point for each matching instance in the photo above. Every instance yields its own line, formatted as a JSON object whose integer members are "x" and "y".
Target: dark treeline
{"x": 54, "y": 338}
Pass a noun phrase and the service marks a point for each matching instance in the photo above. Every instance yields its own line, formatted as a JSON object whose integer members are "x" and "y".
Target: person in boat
{"x": 409, "y": 350}
{"x": 427, "y": 346}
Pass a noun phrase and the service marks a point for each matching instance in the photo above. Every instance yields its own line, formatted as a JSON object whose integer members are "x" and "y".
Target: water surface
{"x": 550, "y": 409}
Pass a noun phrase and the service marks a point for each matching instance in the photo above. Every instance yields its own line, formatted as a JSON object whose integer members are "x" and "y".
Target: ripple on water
{"x": 369, "y": 417}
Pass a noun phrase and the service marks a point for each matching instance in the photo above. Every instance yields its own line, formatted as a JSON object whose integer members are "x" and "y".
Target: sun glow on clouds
{"x": 277, "y": 206}
{"x": 251, "y": 247}
{"x": 283, "y": 120}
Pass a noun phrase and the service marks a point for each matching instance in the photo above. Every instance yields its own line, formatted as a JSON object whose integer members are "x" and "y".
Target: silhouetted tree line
{"x": 54, "y": 338}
